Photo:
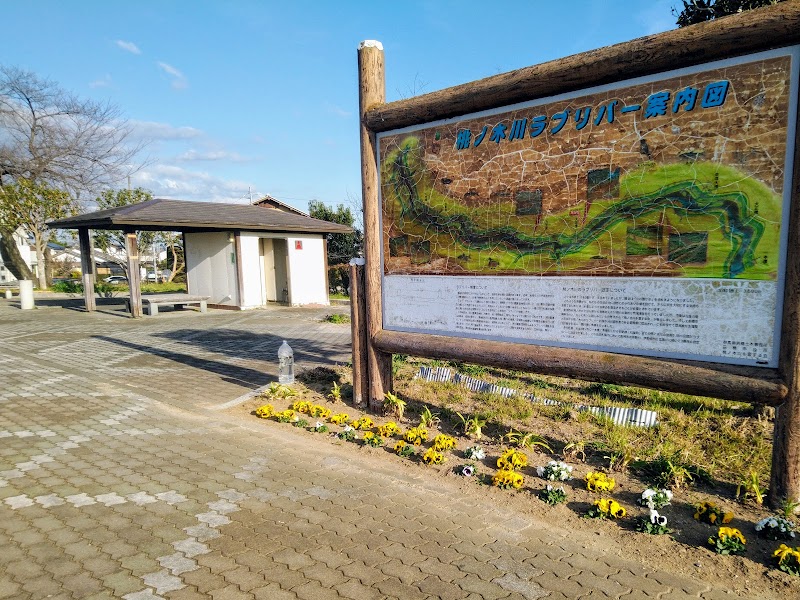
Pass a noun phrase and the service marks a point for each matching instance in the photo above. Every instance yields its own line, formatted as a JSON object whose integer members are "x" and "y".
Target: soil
{"x": 684, "y": 551}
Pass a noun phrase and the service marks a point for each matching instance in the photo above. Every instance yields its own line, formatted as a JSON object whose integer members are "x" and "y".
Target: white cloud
{"x": 179, "y": 81}
{"x": 128, "y": 46}
{"x": 103, "y": 82}
{"x": 170, "y": 181}
{"x": 219, "y": 155}
{"x": 337, "y": 110}
{"x": 151, "y": 130}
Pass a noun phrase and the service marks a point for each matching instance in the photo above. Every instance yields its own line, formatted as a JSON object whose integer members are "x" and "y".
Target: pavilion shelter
{"x": 239, "y": 256}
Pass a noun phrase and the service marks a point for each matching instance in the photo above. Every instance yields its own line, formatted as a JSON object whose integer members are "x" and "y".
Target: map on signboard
{"x": 677, "y": 177}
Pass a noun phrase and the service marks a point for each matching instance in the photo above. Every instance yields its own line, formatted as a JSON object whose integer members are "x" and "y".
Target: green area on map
{"x": 685, "y": 219}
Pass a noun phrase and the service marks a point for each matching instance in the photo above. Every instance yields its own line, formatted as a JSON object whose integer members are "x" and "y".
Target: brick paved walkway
{"x": 119, "y": 479}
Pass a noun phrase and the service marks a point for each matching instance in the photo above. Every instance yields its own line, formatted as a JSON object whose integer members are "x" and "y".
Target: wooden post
{"x": 358, "y": 329}
{"x": 785, "y": 476}
{"x": 134, "y": 275}
{"x": 371, "y": 94}
{"x": 87, "y": 268}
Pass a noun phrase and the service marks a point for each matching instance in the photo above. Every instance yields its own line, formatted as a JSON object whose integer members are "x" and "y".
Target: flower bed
{"x": 624, "y": 504}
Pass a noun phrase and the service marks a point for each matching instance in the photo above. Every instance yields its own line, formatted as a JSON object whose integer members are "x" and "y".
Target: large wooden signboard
{"x": 627, "y": 215}
{"x": 645, "y": 216}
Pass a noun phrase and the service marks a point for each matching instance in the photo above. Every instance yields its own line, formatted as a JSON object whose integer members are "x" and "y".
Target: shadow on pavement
{"x": 242, "y": 376}
{"x": 257, "y": 346}
{"x": 108, "y": 306}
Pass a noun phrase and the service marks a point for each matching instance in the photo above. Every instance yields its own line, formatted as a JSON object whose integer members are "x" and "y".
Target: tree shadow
{"x": 236, "y": 374}
{"x": 236, "y": 343}
{"x": 108, "y": 306}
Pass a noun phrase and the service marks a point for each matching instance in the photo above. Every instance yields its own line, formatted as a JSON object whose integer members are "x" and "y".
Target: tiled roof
{"x": 181, "y": 215}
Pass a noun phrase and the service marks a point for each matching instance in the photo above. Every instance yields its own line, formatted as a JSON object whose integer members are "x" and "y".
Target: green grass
{"x": 336, "y": 318}
{"x": 162, "y": 288}
{"x": 697, "y": 436}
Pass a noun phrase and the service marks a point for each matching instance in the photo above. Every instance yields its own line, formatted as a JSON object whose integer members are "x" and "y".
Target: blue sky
{"x": 253, "y": 97}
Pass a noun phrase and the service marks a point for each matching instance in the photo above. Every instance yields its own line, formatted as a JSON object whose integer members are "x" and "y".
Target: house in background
{"x": 105, "y": 263}
{"x": 28, "y": 255}
{"x": 269, "y": 202}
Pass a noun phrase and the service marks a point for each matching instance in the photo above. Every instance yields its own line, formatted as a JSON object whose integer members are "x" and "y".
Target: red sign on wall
{"x": 298, "y": 244}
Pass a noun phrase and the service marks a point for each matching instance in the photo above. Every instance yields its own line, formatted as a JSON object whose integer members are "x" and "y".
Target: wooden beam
{"x": 702, "y": 379}
{"x": 134, "y": 274}
{"x": 358, "y": 330}
{"x": 87, "y": 268}
{"x": 372, "y": 93}
{"x": 785, "y": 476}
{"x": 759, "y": 29}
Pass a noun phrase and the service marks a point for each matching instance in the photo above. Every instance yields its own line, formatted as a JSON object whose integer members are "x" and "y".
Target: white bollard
{"x": 9, "y": 295}
{"x": 25, "y": 294}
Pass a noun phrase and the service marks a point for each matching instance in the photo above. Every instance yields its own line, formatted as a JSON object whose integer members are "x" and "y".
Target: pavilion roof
{"x": 182, "y": 215}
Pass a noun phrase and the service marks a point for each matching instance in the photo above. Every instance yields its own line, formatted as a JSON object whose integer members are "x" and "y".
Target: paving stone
{"x": 146, "y": 594}
{"x": 406, "y": 574}
{"x": 285, "y": 577}
{"x": 395, "y": 589}
{"x": 356, "y": 590}
{"x": 230, "y": 592}
{"x": 487, "y": 590}
{"x": 292, "y": 559}
{"x": 328, "y": 577}
{"x": 117, "y": 486}
{"x": 520, "y": 587}
{"x": 272, "y": 592}
{"x": 122, "y": 582}
{"x": 82, "y": 585}
{"x": 162, "y": 581}
{"x": 190, "y": 547}
{"x": 42, "y": 586}
{"x": 312, "y": 590}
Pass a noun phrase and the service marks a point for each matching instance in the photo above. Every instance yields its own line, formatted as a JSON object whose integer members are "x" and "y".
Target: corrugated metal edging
{"x": 635, "y": 417}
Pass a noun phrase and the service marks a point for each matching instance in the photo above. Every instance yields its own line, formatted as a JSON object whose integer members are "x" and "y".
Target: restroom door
{"x": 268, "y": 252}
{"x": 280, "y": 251}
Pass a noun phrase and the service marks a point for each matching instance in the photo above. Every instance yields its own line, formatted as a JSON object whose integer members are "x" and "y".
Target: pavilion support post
{"x": 785, "y": 476}
{"x": 372, "y": 94}
{"x": 358, "y": 317}
{"x": 134, "y": 273}
{"x": 87, "y": 268}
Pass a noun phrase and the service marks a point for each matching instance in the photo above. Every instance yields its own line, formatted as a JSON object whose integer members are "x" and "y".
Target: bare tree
{"x": 50, "y": 137}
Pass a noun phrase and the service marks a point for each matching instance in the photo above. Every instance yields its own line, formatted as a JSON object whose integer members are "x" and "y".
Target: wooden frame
{"x": 762, "y": 29}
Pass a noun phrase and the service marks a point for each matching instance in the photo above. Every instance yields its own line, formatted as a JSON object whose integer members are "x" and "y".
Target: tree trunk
{"x": 175, "y": 268}
{"x": 48, "y": 265}
{"x": 40, "y": 267}
{"x": 11, "y": 256}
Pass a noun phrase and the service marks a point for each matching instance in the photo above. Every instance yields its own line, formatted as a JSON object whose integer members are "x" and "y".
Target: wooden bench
{"x": 178, "y": 301}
